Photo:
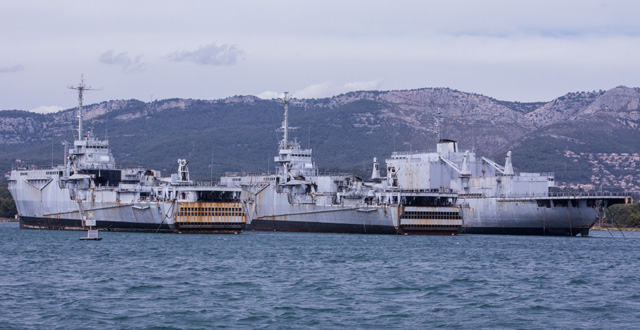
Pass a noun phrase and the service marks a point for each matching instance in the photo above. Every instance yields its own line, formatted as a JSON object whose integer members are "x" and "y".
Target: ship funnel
{"x": 446, "y": 146}
{"x": 375, "y": 173}
{"x": 508, "y": 168}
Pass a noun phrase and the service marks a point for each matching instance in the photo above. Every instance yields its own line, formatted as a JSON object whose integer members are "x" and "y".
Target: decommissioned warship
{"x": 89, "y": 190}
{"x": 297, "y": 198}
{"x": 444, "y": 191}
{"x": 494, "y": 199}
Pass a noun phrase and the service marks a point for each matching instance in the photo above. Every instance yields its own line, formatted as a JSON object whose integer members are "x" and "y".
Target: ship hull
{"x": 75, "y": 224}
{"x": 572, "y": 231}
{"x": 346, "y": 226}
{"x": 534, "y": 216}
{"x": 324, "y": 219}
{"x": 273, "y": 211}
{"x": 319, "y": 227}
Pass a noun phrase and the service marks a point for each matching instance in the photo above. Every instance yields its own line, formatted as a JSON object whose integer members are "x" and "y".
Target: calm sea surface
{"x": 52, "y": 280}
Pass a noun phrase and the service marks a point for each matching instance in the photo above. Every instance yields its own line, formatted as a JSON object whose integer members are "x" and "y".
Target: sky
{"x": 154, "y": 49}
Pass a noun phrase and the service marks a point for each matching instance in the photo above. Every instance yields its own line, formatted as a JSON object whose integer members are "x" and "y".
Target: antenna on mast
{"x": 81, "y": 88}
{"x": 285, "y": 123}
{"x": 438, "y": 125}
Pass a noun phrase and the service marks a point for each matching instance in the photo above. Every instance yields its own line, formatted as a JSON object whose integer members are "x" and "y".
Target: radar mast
{"x": 285, "y": 123}
{"x": 81, "y": 88}
{"x": 438, "y": 129}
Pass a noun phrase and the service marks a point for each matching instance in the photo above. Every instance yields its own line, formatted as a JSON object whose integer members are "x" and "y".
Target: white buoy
{"x": 92, "y": 234}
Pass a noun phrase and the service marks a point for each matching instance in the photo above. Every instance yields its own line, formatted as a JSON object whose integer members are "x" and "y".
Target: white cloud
{"x": 324, "y": 89}
{"x": 11, "y": 69}
{"x": 363, "y": 85}
{"x": 47, "y": 109}
{"x": 129, "y": 64}
{"x": 330, "y": 88}
{"x": 268, "y": 95}
{"x": 211, "y": 54}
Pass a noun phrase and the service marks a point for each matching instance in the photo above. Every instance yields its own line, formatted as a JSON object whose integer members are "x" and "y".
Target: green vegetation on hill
{"x": 7, "y": 206}
{"x": 624, "y": 215}
{"x": 551, "y": 150}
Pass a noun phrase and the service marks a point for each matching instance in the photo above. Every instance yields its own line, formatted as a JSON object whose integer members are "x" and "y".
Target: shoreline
{"x": 8, "y": 220}
{"x": 596, "y": 228}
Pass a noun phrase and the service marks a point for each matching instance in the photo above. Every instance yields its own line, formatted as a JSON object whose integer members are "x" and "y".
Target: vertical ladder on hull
{"x": 83, "y": 218}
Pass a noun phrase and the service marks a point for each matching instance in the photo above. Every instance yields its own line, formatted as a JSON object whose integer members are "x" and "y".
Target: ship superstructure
{"x": 89, "y": 186}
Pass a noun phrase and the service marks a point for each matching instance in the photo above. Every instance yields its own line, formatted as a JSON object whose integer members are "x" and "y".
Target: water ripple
{"x": 51, "y": 280}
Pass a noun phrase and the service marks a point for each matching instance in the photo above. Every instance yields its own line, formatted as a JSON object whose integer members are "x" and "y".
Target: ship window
{"x": 560, "y": 203}
{"x": 544, "y": 203}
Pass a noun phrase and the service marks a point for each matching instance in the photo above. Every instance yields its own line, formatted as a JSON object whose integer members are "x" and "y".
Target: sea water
{"x": 272, "y": 280}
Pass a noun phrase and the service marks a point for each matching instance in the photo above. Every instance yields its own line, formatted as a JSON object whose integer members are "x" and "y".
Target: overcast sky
{"x": 151, "y": 49}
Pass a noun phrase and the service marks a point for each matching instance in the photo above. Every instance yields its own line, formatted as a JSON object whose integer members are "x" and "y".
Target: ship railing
{"x": 196, "y": 183}
{"x": 526, "y": 195}
{"x": 590, "y": 194}
{"x": 206, "y": 183}
{"x": 413, "y": 191}
{"x": 413, "y": 152}
{"x": 498, "y": 174}
{"x": 318, "y": 173}
{"x": 528, "y": 174}
{"x": 24, "y": 167}
{"x": 29, "y": 167}
{"x": 335, "y": 174}
{"x": 567, "y": 194}
{"x": 237, "y": 174}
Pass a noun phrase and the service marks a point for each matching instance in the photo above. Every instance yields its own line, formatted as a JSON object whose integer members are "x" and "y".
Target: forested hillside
{"x": 7, "y": 206}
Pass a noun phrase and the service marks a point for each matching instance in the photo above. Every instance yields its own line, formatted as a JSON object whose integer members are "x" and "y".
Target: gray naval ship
{"x": 494, "y": 199}
{"x": 298, "y": 198}
{"x": 90, "y": 189}
{"x": 444, "y": 191}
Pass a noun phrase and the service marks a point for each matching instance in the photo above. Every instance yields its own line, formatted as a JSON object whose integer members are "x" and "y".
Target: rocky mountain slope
{"x": 584, "y": 137}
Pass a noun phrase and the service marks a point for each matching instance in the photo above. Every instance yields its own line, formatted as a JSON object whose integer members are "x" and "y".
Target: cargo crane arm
{"x": 494, "y": 164}
{"x": 452, "y": 164}
{"x": 464, "y": 171}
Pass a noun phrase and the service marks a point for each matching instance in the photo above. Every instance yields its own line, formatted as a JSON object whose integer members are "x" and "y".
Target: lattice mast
{"x": 284, "y": 144}
{"x": 81, "y": 88}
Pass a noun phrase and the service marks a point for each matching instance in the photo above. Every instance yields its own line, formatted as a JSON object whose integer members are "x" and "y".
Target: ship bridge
{"x": 91, "y": 153}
